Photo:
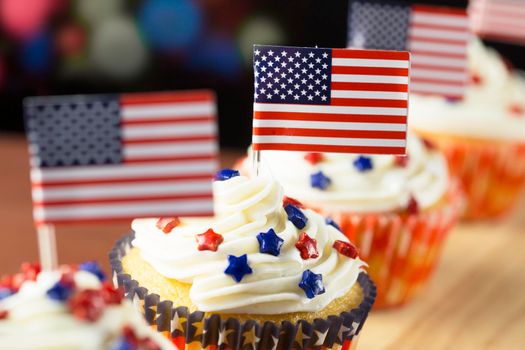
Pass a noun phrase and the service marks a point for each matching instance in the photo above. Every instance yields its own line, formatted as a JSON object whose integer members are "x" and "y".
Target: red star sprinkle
{"x": 307, "y": 246}
{"x": 476, "y": 79}
{"x": 87, "y": 305}
{"x": 4, "y": 314}
{"x": 292, "y": 201}
{"x": 313, "y": 157}
{"x": 167, "y": 224}
{"x": 67, "y": 280}
{"x": 142, "y": 343}
{"x": 346, "y": 249}
{"x": 516, "y": 110}
{"x": 429, "y": 144}
{"x": 413, "y": 206}
{"x": 111, "y": 296}
{"x": 401, "y": 161}
{"x": 209, "y": 240}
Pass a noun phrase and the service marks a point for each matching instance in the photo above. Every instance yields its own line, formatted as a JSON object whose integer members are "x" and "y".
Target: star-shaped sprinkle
{"x": 429, "y": 145}
{"x": 296, "y": 216}
{"x": 94, "y": 268}
{"x": 346, "y": 249}
{"x": 226, "y": 174}
{"x": 320, "y": 180}
{"x": 289, "y": 200}
{"x": 313, "y": 157}
{"x": 476, "y": 79}
{"x": 166, "y": 225}
{"x": 209, "y": 240}
{"x": 4, "y": 314}
{"x": 131, "y": 341}
{"x": 307, "y": 246}
{"x": 312, "y": 284}
{"x": 63, "y": 289}
{"x": 270, "y": 243}
{"x": 5, "y": 292}
{"x": 87, "y": 305}
{"x": 413, "y": 206}
{"x": 331, "y": 222}
{"x": 401, "y": 161}
{"x": 111, "y": 295}
{"x": 238, "y": 267}
{"x": 363, "y": 163}
{"x": 516, "y": 110}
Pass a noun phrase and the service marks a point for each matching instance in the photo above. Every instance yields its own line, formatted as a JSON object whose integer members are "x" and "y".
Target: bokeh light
{"x": 36, "y": 54}
{"x": 23, "y": 19}
{"x": 259, "y": 30}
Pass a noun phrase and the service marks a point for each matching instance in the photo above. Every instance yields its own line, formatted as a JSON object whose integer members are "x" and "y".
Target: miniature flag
{"x": 109, "y": 157}
{"x": 437, "y": 38}
{"x": 501, "y": 20}
{"x": 330, "y": 100}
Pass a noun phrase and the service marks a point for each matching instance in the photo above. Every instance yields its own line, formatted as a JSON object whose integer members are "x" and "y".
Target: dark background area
{"x": 103, "y": 46}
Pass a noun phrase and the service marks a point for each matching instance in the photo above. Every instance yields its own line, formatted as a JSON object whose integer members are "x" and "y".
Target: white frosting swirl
{"x": 244, "y": 208}
{"x": 386, "y": 187}
{"x": 484, "y": 112}
{"x": 39, "y": 323}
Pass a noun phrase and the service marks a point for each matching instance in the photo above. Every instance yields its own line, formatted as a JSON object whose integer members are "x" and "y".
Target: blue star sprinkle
{"x": 94, "y": 268}
{"x": 270, "y": 243}
{"x": 238, "y": 267}
{"x": 330, "y": 221}
{"x": 226, "y": 174}
{"x": 296, "y": 216}
{"x": 59, "y": 291}
{"x": 4, "y": 293}
{"x": 312, "y": 284}
{"x": 320, "y": 180}
{"x": 123, "y": 344}
{"x": 363, "y": 163}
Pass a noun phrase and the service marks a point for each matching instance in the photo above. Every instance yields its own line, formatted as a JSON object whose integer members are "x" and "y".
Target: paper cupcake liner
{"x": 193, "y": 330}
{"x": 492, "y": 173}
{"x": 402, "y": 250}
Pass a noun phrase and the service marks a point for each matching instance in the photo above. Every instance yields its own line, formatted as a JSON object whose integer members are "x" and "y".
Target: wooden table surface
{"x": 476, "y": 299}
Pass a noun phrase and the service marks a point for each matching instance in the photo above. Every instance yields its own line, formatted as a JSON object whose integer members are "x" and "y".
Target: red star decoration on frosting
{"x": 4, "y": 314}
{"x": 167, "y": 224}
{"x": 87, "y": 305}
{"x": 516, "y": 110}
{"x": 401, "y": 161}
{"x": 476, "y": 79}
{"x": 346, "y": 249}
{"x": 307, "y": 246}
{"x": 136, "y": 342}
{"x": 429, "y": 144}
{"x": 313, "y": 157}
{"x": 292, "y": 201}
{"x": 413, "y": 206}
{"x": 209, "y": 240}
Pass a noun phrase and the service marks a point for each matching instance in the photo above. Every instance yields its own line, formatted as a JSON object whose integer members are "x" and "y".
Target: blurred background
{"x": 99, "y": 46}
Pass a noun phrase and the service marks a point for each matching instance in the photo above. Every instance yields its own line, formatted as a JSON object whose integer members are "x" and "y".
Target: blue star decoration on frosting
{"x": 270, "y": 243}
{"x": 363, "y": 163}
{"x": 238, "y": 267}
{"x": 296, "y": 216}
{"x": 123, "y": 344}
{"x": 4, "y": 293}
{"x": 331, "y": 222}
{"x": 320, "y": 181}
{"x": 59, "y": 291}
{"x": 226, "y": 174}
{"x": 94, "y": 268}
{"x": 312, "y": 284}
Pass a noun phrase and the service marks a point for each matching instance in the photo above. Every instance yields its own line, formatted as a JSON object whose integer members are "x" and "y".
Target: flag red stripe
{"x": 460, "y": 13}
{"x": 370, "y": 87}
{"x": 439, "y": 27}
{"x": 437, "y": 40}
{"x": 356, "y": 118}
{"x": 364, "y": 102}
{"x": 440, "y": 54}
{"x": 178, "y": 139}
{"x": 197, "y": 120}
{"x": 166, "y": 97}
{"x": 369, "y": 70}
{"x": 200, "y": 156}
{"x": 371, "y": 134}
{"x": 122, "y": 200}
{"x": 438, "y": 68}
{"x": 415, "y": 79}
{"x": 371, "y": 54}
{"x": 327, "y": 148}
{"x": 95, "y": 220}
{"x": 94, "y": 182}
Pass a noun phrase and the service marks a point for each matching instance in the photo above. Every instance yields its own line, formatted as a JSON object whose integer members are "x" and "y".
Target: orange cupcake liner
{"x": 492, "y": 174}
{"x": 402, "y": 250}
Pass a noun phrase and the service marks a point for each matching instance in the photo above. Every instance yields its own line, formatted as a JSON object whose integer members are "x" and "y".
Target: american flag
{"x": 330, "y": 100}
{"x": 109, "y": 157}
{"x": 437, "y": 37}
{"x": 502, "y": 20}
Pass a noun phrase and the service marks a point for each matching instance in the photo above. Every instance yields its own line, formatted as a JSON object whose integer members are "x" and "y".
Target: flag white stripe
{"x": 167, "y": 110}
{"x": 446, "y": 89}
{"x": 365, "y": 62}
{"x": 439, "y": 33}
{"x": 121, "y": 171}
{"x": 122, "y": 190}
{"x": 323, "y": 109}
{"x": 438, "y": 61}
{"x": 330, "y": 141}
{"x": 438, "y": 74}
{"x": 133, "y": 132}
{"x": 437, "y": 47}
{"x": 300, "y": 124}
{"x": 135, "y": 209}
{"x": 195, "y": 148}
{"x": 419, "y": 17}
{"x": 360, "y": 78}
{"x": 391, "y": 95}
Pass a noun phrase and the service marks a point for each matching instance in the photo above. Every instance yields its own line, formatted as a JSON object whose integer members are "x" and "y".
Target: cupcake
{"x": 70, "y": 309}
{"x": 397, "y": 209}
{"x": 482, "y": 136}
{"x": 264, "y": 273}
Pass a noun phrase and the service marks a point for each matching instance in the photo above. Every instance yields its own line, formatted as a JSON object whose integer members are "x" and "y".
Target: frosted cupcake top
{"x": 70, "y": 310}
{"x": 356, "y": 183}
{"x": 493, "y": 108}
{"x": 259, "y": 255}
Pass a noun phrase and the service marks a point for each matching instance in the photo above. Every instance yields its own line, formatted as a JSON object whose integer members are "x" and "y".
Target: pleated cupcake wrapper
{"x": 401, "y": 249}
{"x": 492, "y": 174}
{"x": 193, "y": 330}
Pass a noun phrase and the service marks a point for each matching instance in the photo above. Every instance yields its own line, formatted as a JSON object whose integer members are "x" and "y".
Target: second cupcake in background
{"x": 397, "y": 209}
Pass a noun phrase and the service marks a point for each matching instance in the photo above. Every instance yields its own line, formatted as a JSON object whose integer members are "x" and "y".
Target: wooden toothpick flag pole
{"x": 47, "y": 247}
